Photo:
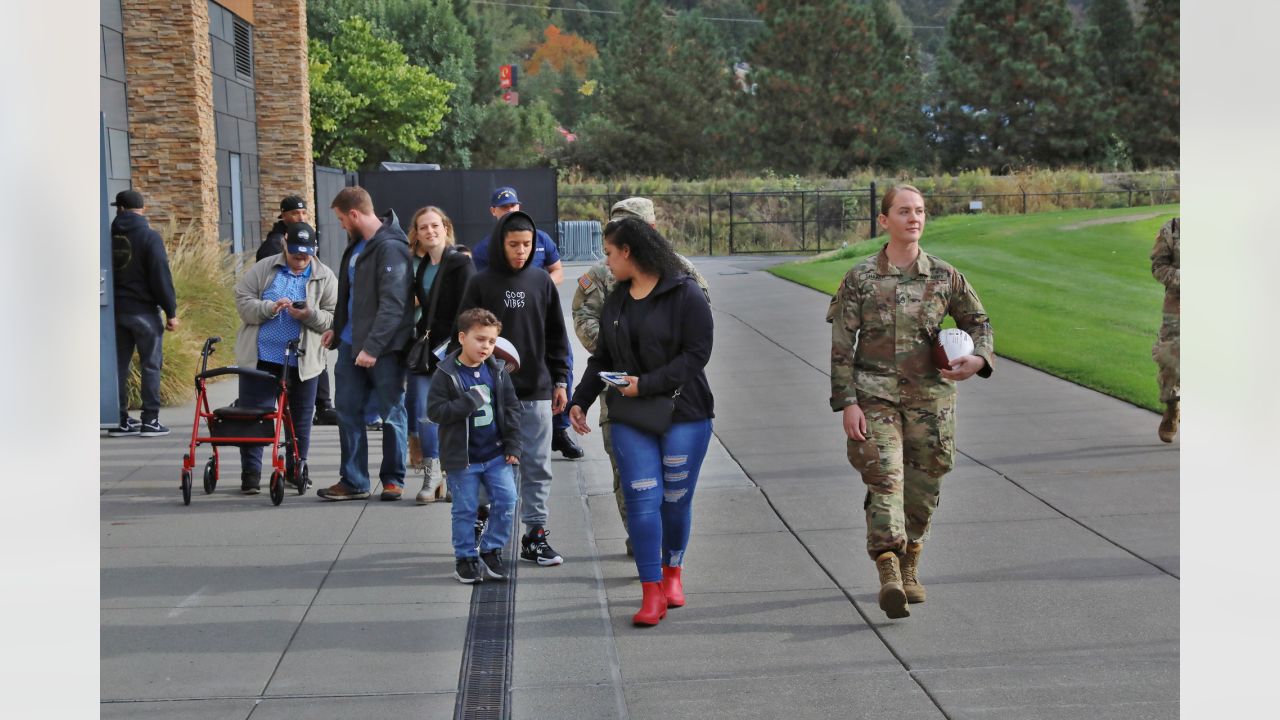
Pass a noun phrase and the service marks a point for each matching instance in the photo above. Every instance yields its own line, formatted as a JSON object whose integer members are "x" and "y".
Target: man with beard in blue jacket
{"x": 526, "y": 302}
{"x": 142, "y": 287}
{"x": 371, "y": 327}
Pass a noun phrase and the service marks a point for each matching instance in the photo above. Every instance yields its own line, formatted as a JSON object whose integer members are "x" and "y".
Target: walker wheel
{"x": 301, "y": 477}
{"x": 210, "y": 476}
{"x": 277, "y": 487}
{"x": 186, "y": 486}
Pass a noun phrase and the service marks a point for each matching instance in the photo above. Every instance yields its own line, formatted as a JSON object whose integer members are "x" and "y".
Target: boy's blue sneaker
{"x": 467, "y": 571}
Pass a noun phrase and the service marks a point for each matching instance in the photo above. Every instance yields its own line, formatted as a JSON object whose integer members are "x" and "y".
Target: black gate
{"x": 333, "y": 239}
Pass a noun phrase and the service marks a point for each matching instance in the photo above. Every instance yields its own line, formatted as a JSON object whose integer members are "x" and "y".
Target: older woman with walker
{"x": 655, "y": 341}
{"x": 284, "y": 297}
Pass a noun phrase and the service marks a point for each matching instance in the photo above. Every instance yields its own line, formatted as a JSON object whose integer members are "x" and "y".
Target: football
{"x": 956, "y": 343}
{"x": 508, "y": 353}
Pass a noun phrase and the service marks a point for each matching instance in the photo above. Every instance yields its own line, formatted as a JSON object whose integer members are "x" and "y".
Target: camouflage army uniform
{"x": 882, "y": 324}
{"x": 588, "y": 301}
{"x": 1166, "y": 352}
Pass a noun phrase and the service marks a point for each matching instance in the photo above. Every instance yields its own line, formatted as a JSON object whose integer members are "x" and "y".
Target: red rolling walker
{"x": 239, "y": 426}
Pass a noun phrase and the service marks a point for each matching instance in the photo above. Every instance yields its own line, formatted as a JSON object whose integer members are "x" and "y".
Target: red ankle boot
{"x": 672, "y": 587}
{"x": 654, "y": 605}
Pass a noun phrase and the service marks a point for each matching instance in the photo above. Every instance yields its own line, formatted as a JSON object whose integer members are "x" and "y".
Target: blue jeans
{"x": 499, "y": 481}
{"x": 145, "y": 332}
{"x": 302, "y": 402}
{"x": 383, "y": 384}
{"x": 659, "y": 473}
{"x": 415, "y": 401}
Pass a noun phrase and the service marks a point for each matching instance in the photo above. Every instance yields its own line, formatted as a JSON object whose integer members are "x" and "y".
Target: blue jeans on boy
{"x": 145, "y": 332}
{"x": 384, "y": 385}
{"x": 415, "y": 402}
{"x": 499, "y": 481}
{"x": 659, "y": 473}
{"x": 263, "y": 393}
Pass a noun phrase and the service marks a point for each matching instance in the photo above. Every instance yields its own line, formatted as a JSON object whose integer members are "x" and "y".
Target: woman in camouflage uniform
{"x": 898, "y": 408}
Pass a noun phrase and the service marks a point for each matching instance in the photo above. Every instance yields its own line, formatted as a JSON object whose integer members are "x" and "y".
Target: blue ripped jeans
{"x": 659, "y": 473}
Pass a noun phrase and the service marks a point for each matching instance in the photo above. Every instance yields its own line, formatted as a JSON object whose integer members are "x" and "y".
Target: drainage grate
{"x": 485, "y": 675}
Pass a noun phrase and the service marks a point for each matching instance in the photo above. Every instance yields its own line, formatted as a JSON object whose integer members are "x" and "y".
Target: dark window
{"x": 244, "y": 49}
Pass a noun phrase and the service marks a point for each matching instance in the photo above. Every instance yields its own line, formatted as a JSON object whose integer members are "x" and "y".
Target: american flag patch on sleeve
{"x": 585, "y": 283}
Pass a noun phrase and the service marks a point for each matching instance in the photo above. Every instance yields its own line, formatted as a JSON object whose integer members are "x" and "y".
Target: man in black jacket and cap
{"x": 142, "y": 287}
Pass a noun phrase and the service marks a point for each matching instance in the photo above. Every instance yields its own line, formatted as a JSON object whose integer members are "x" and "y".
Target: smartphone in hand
{"x": 299, "y": 304}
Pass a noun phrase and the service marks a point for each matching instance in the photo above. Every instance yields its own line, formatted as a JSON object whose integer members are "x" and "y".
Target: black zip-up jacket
{"x": 140, "y": 268}
{"x": 528, "y": 304}
{"x": 274, "y": 244}
{"x": 382, "y": 315}
{"x": 445, "y": 294}
{"x": 675, "y": 346}
{"x": 449, "y": 406}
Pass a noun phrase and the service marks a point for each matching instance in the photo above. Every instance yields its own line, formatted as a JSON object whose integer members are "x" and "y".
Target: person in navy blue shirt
{"x": 546, "y": 256}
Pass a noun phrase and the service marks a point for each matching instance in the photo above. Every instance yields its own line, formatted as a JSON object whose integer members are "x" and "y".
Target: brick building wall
{"x": 168, "y": 71}
{"x": 284, "y": 111}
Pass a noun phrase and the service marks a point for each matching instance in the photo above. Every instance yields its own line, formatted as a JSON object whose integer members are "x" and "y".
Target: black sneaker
{"x": 467, "y": 571}
{"x": 128, "y": 427}
{"x": 492, "y": 563}
{"x": 534, "y": 548}
{"x": 153, "y": 428}
{"x": 563, "y": 443}
{"x": 326, "y": 416}
{"x": 250, "y": 483}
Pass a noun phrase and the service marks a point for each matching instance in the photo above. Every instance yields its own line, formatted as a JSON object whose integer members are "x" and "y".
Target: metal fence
{"x": 811, "y": 221}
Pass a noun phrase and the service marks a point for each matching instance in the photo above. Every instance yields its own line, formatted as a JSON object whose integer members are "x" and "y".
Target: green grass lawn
{"x": 1074, "y": 300}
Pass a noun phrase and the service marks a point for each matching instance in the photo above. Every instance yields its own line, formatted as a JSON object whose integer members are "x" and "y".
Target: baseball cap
{"x": 504, "y": 196}
{"x": 300, "y": 238}
{"x": 292, "y": 202}
{"x": 129, "y": 200}
{"x": 636, "y": 207}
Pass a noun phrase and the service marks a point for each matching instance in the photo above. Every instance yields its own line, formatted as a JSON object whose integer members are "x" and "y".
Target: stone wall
{"x": 168, "y": 73}
{"x": 282, "y": 89}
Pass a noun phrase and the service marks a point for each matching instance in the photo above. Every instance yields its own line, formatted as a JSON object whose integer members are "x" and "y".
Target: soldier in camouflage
{"x": 1167, "y": 350}
{"x": 594, "y": 285}
{"x": 898, "y": 408}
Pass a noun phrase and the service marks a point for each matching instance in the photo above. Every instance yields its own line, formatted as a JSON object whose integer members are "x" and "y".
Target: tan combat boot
{"x": 910, "y": 579}
{"x": 415, "y": 452}
{"x": 893, "y": 601}
{"x": 1169, "y": 421}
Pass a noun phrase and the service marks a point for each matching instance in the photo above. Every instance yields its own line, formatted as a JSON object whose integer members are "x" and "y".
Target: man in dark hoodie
{"x": 142, "y": 287}
{"x": 526, "y": 302}
{"x": 293, "y": 209}
{"x": 372, "y": 325}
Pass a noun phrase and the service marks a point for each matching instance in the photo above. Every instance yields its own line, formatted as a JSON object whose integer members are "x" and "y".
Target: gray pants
{"x": 535, "y": 461}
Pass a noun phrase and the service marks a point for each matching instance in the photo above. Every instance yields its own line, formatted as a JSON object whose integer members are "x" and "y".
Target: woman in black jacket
{"x": 655, "y": 334}
{"x": 439, "y": 275}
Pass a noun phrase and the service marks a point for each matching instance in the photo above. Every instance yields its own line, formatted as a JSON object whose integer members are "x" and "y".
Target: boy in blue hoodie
{"x": 526, "y": 302}
{"x": 475, "y": 405}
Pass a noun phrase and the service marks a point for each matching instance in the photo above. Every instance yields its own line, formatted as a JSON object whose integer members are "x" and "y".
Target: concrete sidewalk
{"x": 1052, "y": 568}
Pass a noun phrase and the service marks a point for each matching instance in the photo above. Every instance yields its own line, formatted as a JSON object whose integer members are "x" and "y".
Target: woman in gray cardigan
{"x": 265, "y": 299}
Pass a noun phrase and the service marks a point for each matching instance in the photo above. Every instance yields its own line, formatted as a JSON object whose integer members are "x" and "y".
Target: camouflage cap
{"x": 636, "y": 207}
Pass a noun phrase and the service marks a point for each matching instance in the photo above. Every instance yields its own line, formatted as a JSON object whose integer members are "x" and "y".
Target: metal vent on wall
{"x": 244, "y": 49}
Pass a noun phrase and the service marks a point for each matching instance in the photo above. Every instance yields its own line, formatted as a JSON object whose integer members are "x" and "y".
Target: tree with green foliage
{"x": 1015, "y": 89}
{"x": 516, "y": 136}
{"x": 665, "y": 102}
{"x": 368, "y": 102}
{"x": 1157, "y": 100}
{"x": 433, "y": 37}
{"x": 839, "y": 88}
{"x": 1110, "y": 49}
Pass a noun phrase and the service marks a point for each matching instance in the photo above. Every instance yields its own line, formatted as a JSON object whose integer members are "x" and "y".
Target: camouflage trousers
{"x": 910, "y": 446}
{"x": 1167, "y": 354}
{"x": 607, "y": 436}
